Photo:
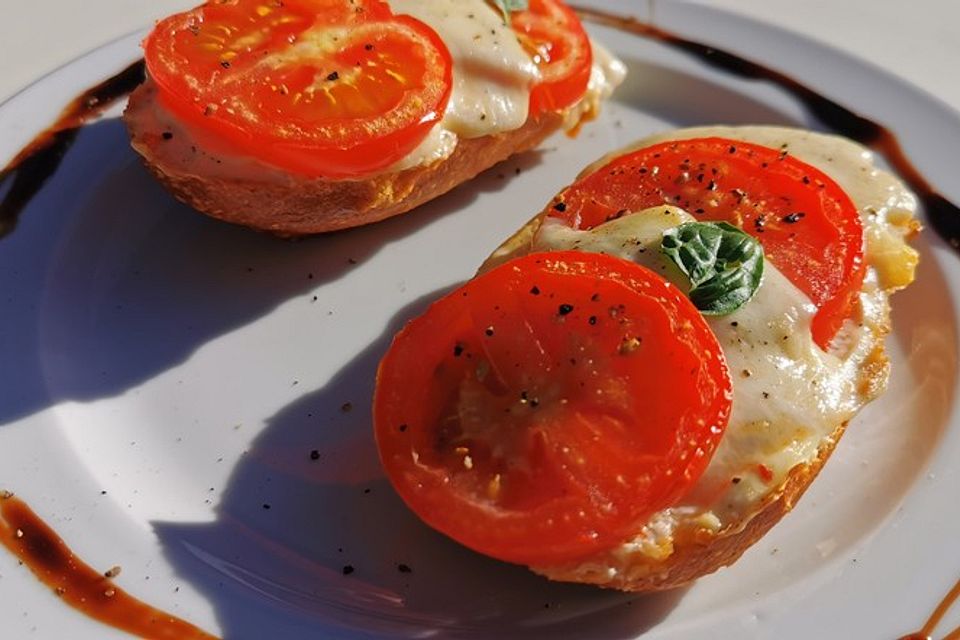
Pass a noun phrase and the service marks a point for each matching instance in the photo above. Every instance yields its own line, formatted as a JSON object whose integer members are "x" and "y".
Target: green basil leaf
{"x": 724, "y": 264}
{"x": 508, "y": 6}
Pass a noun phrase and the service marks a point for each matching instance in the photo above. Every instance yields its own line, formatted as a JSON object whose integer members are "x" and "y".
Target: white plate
{"x": 188, "y": 368}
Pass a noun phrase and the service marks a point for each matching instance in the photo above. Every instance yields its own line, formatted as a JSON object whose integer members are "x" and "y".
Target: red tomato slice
{"x": 553, "y": 36}
{"x": 331, "y": 88}
{"x": 546, "y": 409}
{"x": 808, "y": 226}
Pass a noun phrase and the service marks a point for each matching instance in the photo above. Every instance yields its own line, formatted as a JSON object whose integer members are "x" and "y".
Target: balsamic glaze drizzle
{"x": 26, "y": 174}
{"x": 931, "y": 624}
{"x": 943, "y": 215}
{"x": 77, "y": 584}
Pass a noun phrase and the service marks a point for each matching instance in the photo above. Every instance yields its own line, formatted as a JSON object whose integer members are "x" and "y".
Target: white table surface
{"x": 918, "y": 40}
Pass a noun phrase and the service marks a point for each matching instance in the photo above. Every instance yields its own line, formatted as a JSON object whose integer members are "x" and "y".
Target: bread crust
{"x": 300, "y": 206}
{"x": 696, "y": 557}
{"x": 702, "y": 553}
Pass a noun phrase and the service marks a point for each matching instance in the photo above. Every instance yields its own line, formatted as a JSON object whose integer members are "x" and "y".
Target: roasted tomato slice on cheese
{"x": 547, "y": 408}
{"x": 808, "y": 226}
{"x": 332, "y": 88}
{"x": 553, "y": 36}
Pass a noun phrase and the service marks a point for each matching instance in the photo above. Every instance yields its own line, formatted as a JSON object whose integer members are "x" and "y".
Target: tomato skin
{"x": 808, "y": 226}
{"x": 320, "y": 88}
{"x": 551, "y": 33}
{"x": 543, "y": 411}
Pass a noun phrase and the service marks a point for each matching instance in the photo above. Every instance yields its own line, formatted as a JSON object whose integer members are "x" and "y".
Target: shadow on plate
{"x": 318, "y": 545}
{"x": 108, "y": 281}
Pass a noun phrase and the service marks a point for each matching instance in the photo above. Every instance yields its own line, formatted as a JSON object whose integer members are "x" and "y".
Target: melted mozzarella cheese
{"x": 492, "y": 74}
{"x": 606, "y": 74}
{"x": 492, "y": 79}
{"x": 789, "y": 395}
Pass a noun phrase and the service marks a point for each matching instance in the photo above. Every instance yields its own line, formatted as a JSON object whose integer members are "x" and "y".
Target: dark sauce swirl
{"x": 30, "y": 169}
{"x": 78, "y": 584}
{"x": 937, "y": 615}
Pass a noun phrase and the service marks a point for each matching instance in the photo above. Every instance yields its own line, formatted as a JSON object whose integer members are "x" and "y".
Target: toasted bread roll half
{"x": 789, "y": 243}
{"x": 313, "y": 116}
